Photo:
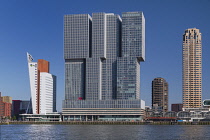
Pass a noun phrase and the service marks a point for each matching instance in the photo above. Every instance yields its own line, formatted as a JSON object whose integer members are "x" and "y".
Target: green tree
{"x": 14, "y": 118}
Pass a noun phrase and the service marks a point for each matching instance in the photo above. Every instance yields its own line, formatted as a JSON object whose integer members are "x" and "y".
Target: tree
{"x": 14, "y": 118}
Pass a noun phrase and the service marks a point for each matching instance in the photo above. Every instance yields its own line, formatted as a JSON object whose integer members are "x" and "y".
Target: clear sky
{"x": 36, "y": 26}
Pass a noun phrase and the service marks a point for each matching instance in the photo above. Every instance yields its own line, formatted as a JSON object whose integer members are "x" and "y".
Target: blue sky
{"x": 36, "y": 26}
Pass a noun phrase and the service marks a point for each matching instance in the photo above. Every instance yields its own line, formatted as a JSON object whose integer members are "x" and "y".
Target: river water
{"x": 104, "y": 132}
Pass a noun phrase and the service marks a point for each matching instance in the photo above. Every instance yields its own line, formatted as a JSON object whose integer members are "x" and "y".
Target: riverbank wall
{"x": 105, "y": 123}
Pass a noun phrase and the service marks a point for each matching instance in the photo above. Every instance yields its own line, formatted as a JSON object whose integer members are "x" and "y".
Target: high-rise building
{"x": 102, "y": 65}
{"x": 160, "y": 93}
{"x": 192, "y": 69}
{"x": 5, "y": 106}
{"x": 43, "y": 86}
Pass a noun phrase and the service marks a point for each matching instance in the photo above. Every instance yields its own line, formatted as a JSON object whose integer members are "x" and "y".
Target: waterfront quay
{"x": 104, "y": 123}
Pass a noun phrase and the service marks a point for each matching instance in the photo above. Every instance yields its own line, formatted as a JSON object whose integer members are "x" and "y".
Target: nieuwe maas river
{"x": 104, "y": 132}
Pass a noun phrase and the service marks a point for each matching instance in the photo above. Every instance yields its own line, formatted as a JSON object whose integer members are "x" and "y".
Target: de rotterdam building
{"x": 192, "y": 69}
{"x": 102, "y": 56}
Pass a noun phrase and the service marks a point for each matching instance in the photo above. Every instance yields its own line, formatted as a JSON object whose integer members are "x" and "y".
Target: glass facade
{"x": 133, "y": 35}
{"x": 128, "y": 80}
{"x": 99, "y": 73}
{"x": 75, "y": 81}
{"x": 77, "y": 36}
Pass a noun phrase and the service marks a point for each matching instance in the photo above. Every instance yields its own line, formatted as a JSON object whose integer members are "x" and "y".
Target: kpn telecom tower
{"x": 43, "y": 86}
{"x": 102, "y": 66}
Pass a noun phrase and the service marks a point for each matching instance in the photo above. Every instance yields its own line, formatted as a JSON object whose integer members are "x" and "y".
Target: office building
{"x": 21, "y": 107}
{"x": 5, "y": 107}
{"x": 43, "y": 86}
{"x": 176, "y": 107}
{"x": 102, "y": 65}
{"x": 160, "y": 94}
{"x": 192, "y": 69}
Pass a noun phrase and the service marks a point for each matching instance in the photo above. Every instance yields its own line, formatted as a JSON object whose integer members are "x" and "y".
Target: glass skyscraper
{"x": 102, "y": 66}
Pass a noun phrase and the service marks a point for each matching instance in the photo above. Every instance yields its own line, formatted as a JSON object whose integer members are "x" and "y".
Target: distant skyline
{"x": 37, "y": 27}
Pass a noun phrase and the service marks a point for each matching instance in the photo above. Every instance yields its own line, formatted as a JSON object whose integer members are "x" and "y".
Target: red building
{"x": 5, "y": 108}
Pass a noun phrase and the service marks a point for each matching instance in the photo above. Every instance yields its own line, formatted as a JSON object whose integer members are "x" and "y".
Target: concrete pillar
{"x": 86, "y": 117}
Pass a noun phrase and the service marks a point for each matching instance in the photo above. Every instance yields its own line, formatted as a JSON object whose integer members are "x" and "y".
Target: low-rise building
{"x": 176, "y": 107}
{"x": 21, "y": 107}
{"x": 48, "y": 117}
